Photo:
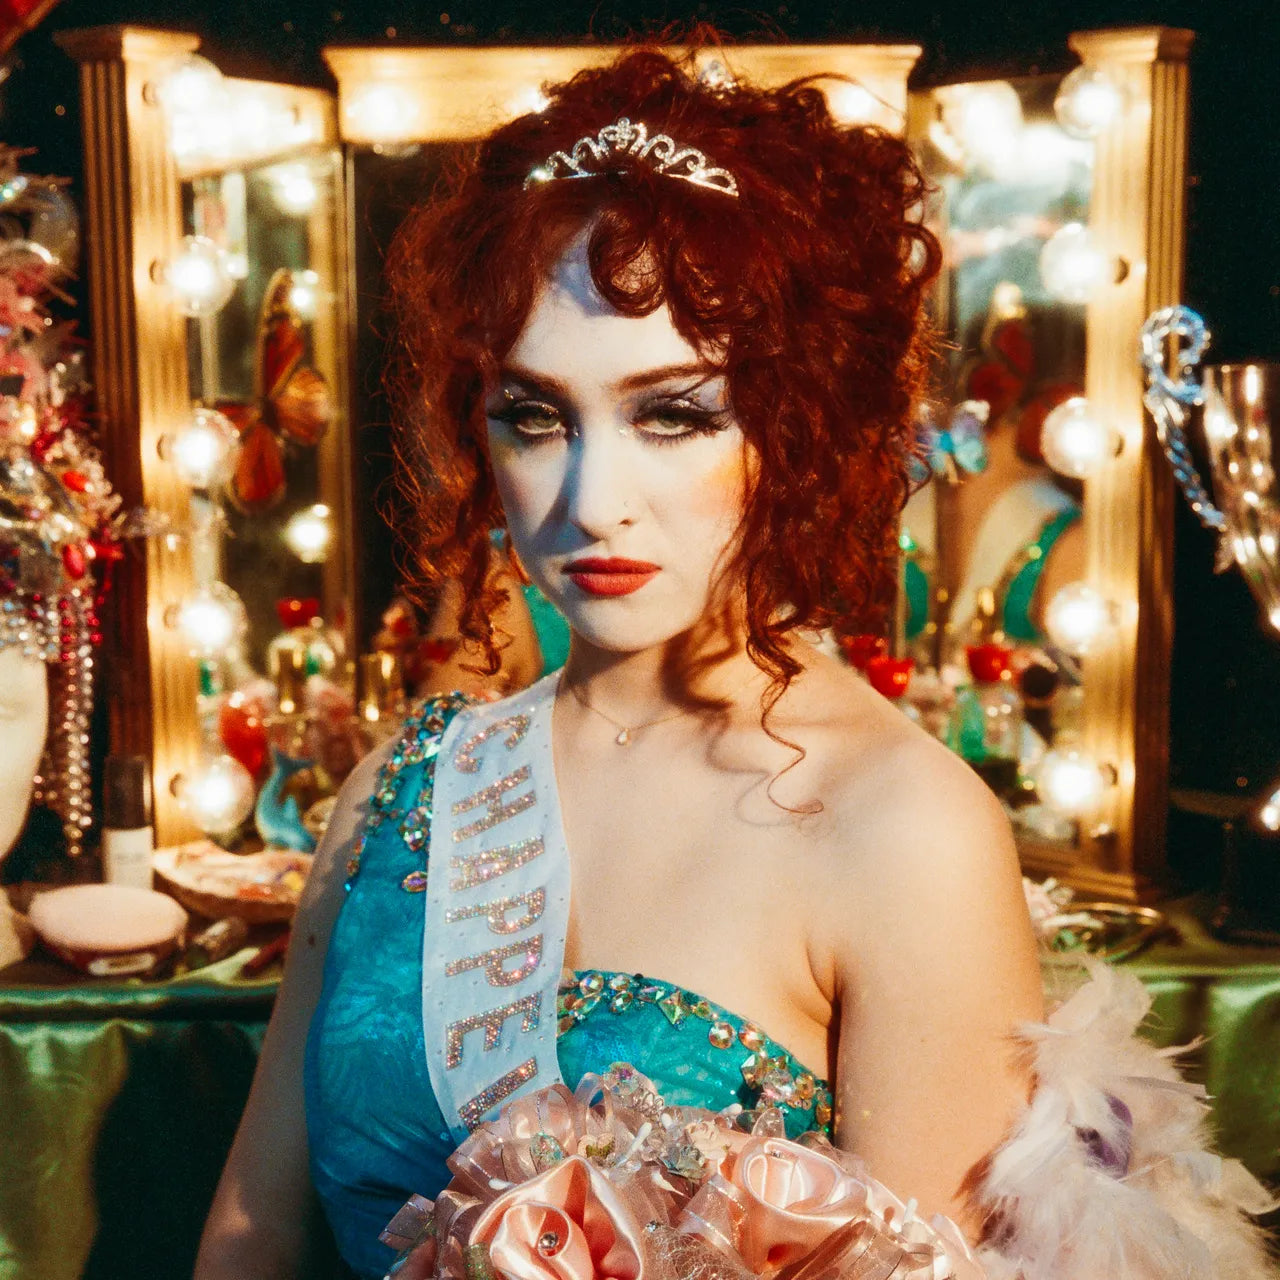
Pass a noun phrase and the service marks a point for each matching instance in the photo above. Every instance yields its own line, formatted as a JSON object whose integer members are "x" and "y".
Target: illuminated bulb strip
{"x": 196, "y": 276}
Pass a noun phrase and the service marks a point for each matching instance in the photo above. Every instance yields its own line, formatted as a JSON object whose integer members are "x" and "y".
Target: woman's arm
{"x": 942, "y": 966}
{"x": 258, "y": 1225}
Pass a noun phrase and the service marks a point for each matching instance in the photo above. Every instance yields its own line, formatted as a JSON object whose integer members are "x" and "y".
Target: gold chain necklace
{"x": 625, "y": 732}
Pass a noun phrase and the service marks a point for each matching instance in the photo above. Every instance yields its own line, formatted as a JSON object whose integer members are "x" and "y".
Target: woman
{"x": 680, "y": 374}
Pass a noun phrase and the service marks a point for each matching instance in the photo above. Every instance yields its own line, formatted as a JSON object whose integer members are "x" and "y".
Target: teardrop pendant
{"x": 623, "y": 738}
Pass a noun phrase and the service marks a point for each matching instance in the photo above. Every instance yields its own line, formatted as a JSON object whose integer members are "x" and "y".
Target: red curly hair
{"x": 806, "y": 292}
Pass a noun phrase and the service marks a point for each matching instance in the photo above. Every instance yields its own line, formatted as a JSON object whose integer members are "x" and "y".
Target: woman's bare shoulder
{"x": 905, "y": 824}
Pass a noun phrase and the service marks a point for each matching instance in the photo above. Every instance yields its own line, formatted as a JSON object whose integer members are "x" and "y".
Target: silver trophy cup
{"x": 1238, "y": 409}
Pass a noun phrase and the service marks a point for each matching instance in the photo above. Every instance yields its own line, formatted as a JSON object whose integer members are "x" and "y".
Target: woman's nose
{"x": 600, "y": 484}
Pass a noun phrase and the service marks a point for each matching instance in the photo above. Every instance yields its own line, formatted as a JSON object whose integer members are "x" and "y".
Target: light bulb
{"x": 197, "y": 277}
{"x": 211, "y": 620}
{"x": 203, "y": 453}
{"x": 1071, "y": 267}
{"x": 217, "y": 795}
{"x": 381, "y": 113}
{"x": 1088, "y": 101}
{"x": 293, "y": 188}
{"x": 253, "y": 125}
{"x": 986, "y": 119}
{"x": 1269, "y": 814}
{"x": 1078, "y": 617}
{"x": 196, "y": 106}
{"x": 850, "y": 102}
{"x": 1075, "y": 441}
{"x": 1070, "y": 782}
{"x": 309, "y": 533}
{"x": 302, "y": 293}
{"x": 191, "y": 87}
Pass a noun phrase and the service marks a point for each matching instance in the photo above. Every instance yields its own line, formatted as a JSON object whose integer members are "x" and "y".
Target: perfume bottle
{"x": 985, "y": 727}
{"x": 127, "y": 837}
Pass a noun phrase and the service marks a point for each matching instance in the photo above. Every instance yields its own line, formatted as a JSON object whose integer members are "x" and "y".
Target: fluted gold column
{"x": 139, "y": 347}
{"x": 1137, "y": 216}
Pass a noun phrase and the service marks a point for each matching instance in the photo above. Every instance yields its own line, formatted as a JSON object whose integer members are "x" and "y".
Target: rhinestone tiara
{"x": 622, "y": 138}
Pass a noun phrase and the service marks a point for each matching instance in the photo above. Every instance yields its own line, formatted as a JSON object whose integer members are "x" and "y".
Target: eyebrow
{"x": 633, "y": 382}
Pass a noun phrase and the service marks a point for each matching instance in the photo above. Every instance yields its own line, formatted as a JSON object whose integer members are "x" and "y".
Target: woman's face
{"x": 621, "y": 470}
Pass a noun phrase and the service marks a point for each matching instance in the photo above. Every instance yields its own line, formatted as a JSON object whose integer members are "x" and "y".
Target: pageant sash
{"x": 497, "y": 905}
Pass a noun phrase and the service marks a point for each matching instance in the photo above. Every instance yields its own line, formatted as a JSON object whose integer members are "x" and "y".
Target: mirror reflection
{"x": 267, "y": 363}
{"x": 994, "y": 545}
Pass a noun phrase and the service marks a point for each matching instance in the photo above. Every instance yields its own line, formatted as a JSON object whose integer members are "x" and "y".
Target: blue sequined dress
{"x": 375, "y": 1130}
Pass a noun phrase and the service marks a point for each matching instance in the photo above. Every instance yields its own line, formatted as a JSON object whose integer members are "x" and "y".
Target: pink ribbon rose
{"x": 568, "y": 1223}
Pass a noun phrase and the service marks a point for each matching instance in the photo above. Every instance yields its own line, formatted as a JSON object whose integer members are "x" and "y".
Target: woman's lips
{"x": 612, "y": 576}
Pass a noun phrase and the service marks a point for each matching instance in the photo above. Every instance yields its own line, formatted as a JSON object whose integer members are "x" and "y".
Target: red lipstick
{"x": 610, "y": 576}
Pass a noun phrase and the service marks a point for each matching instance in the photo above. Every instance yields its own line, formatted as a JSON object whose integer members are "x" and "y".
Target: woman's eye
{"x": 530, "y": 420}
{"x": 679, "y": 422}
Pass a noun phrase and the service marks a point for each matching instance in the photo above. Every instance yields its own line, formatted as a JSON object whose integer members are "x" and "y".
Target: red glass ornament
{"x": 76, "y": 481}
{"x": 861, "y": 649}
{"x": 890, "y": 676}
{"x": 74, "y": 560}
{"x": 244, "y": 735}
{"x": 988, "y": 662}
{"x": 297, "y": 611}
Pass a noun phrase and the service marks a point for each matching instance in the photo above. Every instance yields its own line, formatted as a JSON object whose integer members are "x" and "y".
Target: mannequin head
{"x": 24, "y": 719}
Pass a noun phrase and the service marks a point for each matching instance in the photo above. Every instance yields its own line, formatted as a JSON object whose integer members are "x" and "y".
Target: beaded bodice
{"x": 376, "y": 1131}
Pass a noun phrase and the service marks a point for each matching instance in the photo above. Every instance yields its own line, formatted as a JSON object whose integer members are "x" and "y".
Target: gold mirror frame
{"x": 140, "y": 374}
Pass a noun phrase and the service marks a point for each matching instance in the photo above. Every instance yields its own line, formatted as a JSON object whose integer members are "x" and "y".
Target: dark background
{"x": 1226, "y": 693}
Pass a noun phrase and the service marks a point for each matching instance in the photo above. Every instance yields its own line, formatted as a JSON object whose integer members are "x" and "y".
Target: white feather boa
{"x": 1172, "y": 1210}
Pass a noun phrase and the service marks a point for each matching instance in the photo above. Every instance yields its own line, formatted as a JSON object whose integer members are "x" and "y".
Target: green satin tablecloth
{"x": 1229, "y": 994}
{"x": 119, "y": 1100}
{"x": 118, "y": 1103}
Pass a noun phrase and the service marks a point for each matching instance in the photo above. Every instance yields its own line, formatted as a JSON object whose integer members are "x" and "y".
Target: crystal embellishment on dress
{"x": 589, "y": 158}
{"x": 418, "y": 742}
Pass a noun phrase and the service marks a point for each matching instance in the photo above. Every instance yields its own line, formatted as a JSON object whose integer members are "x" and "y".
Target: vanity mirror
{"x": 218, "y": 290}
{"x": 1045, "y": 537}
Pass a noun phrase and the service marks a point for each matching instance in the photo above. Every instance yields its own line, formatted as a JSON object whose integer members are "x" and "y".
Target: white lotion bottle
{"x": 127, "y": 838}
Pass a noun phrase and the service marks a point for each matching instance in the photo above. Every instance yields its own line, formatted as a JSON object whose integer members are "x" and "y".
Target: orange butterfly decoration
{"x": 292, "y": 405}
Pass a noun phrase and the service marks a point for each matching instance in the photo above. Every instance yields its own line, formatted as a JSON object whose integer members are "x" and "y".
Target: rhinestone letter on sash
{"x": 497, "y": 905}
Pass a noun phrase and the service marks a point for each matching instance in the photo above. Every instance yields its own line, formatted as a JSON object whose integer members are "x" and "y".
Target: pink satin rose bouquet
{"x": 608, "y": 1183}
